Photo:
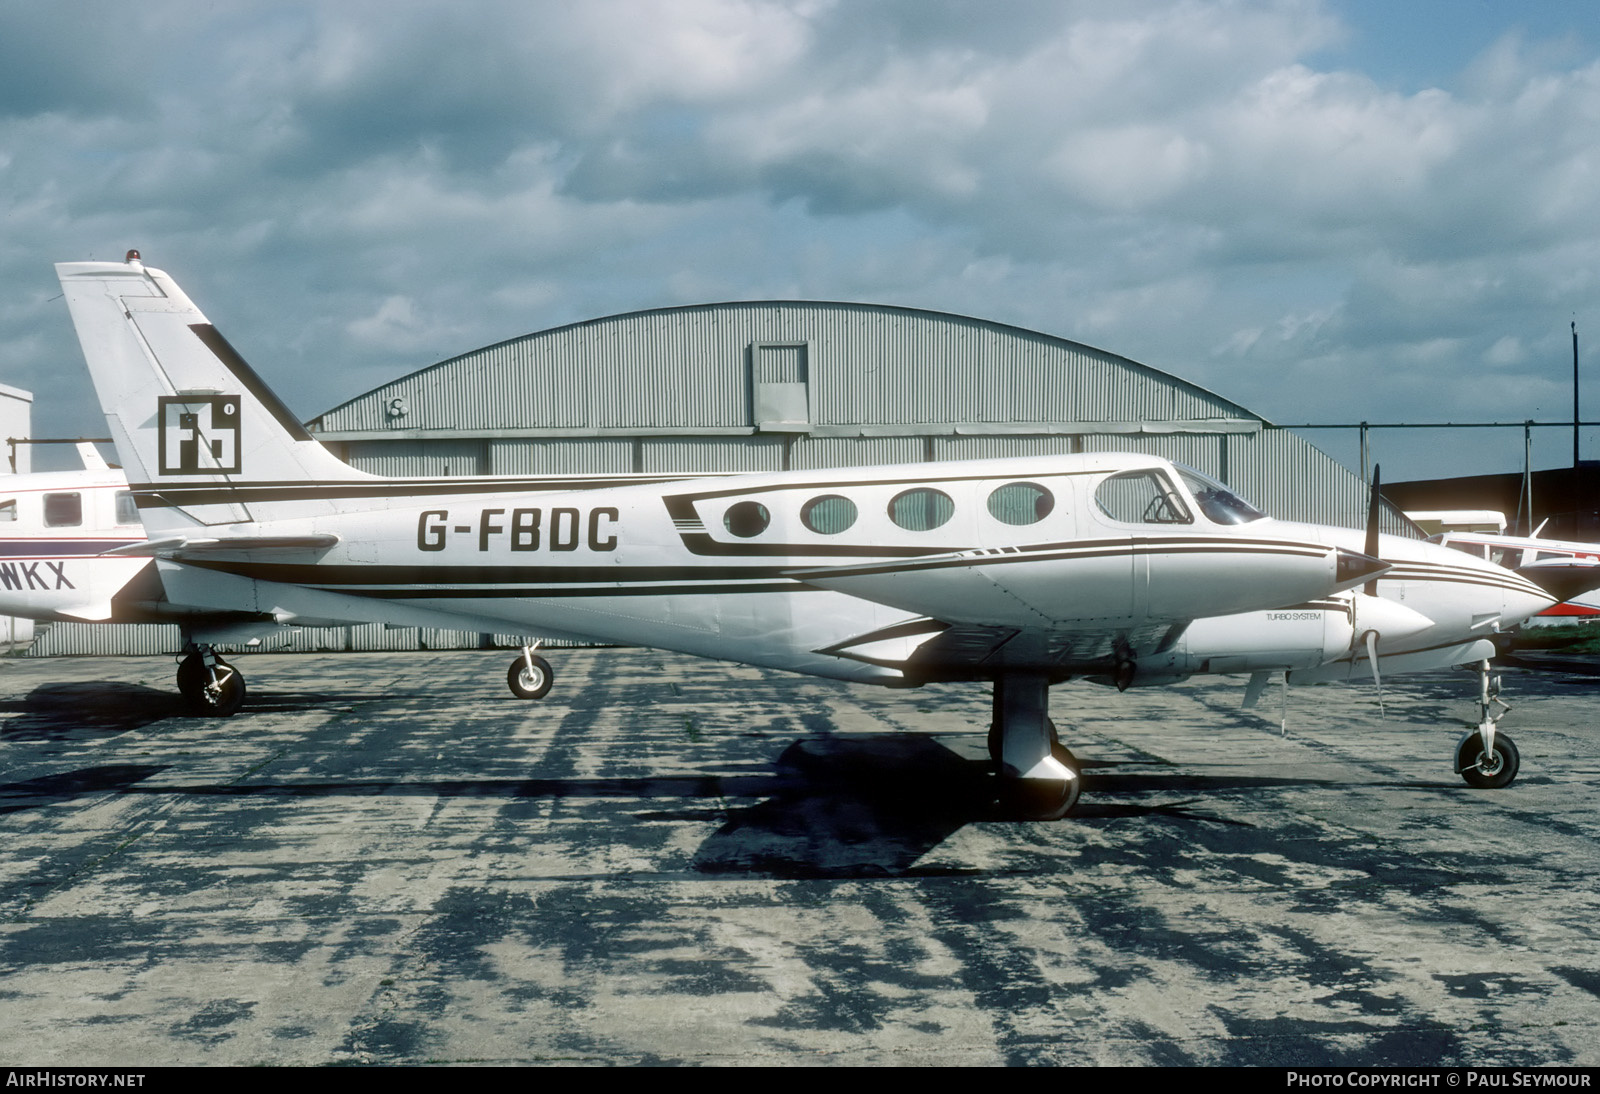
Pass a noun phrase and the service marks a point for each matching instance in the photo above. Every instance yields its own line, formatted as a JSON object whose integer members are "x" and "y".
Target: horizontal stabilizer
{"x": 90, "y": 455}
{"x": 186, "y": 547}
{"x": 89, "y": 613}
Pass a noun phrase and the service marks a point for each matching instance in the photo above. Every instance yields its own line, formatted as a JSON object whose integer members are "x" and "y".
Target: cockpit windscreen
{"x": 1216, "y": 501}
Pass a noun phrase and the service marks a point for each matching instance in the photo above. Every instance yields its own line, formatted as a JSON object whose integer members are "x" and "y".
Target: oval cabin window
{"x": 828, "y": 515}
{"x": 746, "y": 518}
{"x": 1021, "y": 503}
{"x": 922, "y": 509}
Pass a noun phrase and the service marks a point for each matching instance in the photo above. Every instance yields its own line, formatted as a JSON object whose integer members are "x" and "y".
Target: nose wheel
{"x": 1488, "y": 768}
{"x": 1485, "y": 757}
{"x": 212, "y": 687}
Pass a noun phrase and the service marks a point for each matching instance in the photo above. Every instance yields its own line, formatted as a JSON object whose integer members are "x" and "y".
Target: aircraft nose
{"x": 1353, "y": 567}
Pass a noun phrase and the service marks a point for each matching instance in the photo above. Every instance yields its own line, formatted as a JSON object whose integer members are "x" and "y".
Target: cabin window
{"x": 8, "y": 509}
{"x": 1021, "y": 503}
{"x": 828, "y": 515}
{"x": 1477, "y": 550}
{"x": 1509, "y": 557}
{"x": 1142, "y": 497}
{"x": 63, "y": 510}
{"x": 922, "y": 509}
{"x": 127, "y": 511}
{"x": 1544, "y": 555}
{"x": 746, "y": 518}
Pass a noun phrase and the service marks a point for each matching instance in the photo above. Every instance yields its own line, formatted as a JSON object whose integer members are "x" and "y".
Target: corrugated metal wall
{"x": 690, "y": 368}
{"x": 1203, "y": 452}
{"x": 697, "y": 455}
{"x": 810, "y": 453}
{"x": 75, "y": 639}
{"x": 419, "y": 457}
{"x": 1290, "y": 478}
{"x": 996, "y": 447}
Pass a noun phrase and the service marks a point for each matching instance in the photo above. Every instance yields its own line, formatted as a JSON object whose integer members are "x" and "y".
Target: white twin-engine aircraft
{"x": 1120, "y": 567}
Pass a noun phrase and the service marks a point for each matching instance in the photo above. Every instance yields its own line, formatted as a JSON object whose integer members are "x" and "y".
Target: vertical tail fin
{"x": 194, "y": 426}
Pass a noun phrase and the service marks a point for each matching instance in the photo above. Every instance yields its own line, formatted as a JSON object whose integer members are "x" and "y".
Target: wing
{"x": 928, "y": 649}
{"x": 1563, "y": 578}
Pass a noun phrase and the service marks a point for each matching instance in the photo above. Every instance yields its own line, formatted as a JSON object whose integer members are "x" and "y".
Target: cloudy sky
{"x": 1326, "y": 210}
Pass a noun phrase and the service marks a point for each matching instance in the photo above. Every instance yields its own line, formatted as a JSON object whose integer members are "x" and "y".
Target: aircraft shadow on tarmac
{"x": 830, "y": 807}
{"x": 867, "y": 806}
{"x": 78, "y": 710}
{"x": 83, "y": 710}
{"x": 66, "y": 785}
{"x": 875, "y": 806}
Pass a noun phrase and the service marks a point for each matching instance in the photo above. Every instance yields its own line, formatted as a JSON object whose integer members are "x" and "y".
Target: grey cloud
{"x": 69, "y": 58}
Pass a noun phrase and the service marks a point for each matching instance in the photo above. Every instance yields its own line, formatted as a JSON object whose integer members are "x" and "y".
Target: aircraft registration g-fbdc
{"x": 1120, "y": 567}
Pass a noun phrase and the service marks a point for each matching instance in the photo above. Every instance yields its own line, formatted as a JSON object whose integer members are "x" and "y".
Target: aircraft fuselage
{"x": 1105, "y": 552}
{"x": 54, "y": 525}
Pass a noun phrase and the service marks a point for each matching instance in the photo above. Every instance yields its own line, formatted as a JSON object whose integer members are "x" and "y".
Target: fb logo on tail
{"x": 199, "y": 434}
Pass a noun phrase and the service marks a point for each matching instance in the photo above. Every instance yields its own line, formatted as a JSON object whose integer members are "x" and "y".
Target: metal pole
{"x": 1527, "y": 477}
{"x": 1575, "y": 418}
{"x": 1365, "y": 476}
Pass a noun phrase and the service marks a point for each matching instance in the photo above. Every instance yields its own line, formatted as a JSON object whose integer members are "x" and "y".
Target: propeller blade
{"x": 1377, "y": 681}
{"x": 1373, "y": 505}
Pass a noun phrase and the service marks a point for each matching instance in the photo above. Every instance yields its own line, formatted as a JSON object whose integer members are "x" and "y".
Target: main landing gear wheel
{"x": 1043, "y": 799}
{"x": 1488, "y": 770}
{"x": 216, "y": 694}
{"x": 1038, "y": 779}
{"x": 997, "y": 740}
{"x": 530, "y": 677}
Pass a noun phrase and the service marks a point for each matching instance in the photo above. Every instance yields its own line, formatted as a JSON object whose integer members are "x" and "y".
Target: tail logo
{"x": 199, "y": 434}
